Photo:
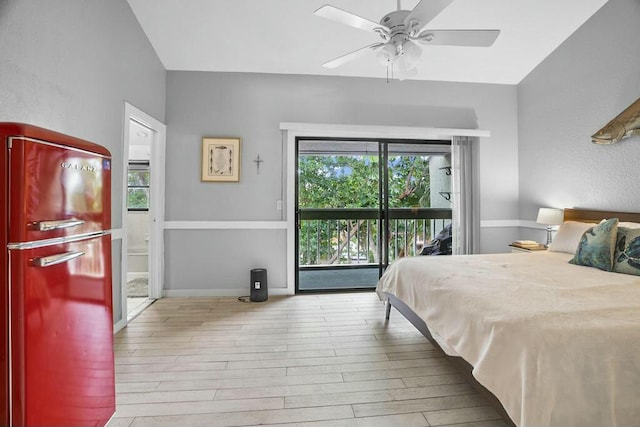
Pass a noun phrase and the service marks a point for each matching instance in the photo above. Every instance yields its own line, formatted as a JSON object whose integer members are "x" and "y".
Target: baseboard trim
{"x": 190, "y": 293}
{"x": 119, "y": 325}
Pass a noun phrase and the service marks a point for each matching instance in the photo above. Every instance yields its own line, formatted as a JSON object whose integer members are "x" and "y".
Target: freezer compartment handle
{"x": 56, "y": 224}
{"x": 48, "y": 261}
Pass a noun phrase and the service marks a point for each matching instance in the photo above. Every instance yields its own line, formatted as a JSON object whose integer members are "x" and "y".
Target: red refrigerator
{"x": 57, "y": 322}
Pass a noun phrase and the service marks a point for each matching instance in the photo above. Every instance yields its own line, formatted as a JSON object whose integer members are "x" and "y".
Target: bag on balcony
{"x": 441, "y": 245}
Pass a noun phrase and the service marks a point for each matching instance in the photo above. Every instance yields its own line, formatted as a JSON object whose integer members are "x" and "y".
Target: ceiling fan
{"x": 400, "y": 30}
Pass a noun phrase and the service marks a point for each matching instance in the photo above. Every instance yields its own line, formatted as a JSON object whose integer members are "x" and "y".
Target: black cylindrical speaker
{"x": 259, "y": 292}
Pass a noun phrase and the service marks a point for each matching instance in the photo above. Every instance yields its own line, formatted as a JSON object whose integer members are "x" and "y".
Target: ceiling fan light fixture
{"x": 411, "y": 53}
{"x": 387, "y": 54}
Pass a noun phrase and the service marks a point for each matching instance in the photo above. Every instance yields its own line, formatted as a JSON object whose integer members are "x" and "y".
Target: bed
{"x": 556, "y": 344}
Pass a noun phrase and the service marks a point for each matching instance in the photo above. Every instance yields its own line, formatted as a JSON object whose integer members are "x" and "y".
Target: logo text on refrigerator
{"x": 77, "y": 166}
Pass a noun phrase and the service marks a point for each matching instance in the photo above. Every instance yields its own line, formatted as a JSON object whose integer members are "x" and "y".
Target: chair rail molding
{"x": 225, "y": 225}
{"x": 116, "y": 233}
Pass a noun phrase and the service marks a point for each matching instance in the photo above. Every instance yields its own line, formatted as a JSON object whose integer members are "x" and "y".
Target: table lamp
{"x": 550, "y": 216}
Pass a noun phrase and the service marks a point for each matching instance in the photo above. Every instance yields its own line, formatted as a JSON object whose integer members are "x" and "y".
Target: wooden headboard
{"x": 587, "y": 215}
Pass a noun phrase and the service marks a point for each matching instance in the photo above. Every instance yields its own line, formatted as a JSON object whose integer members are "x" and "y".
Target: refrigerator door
{"x": 56, "y": 190}
{"x": 62, "y": 365}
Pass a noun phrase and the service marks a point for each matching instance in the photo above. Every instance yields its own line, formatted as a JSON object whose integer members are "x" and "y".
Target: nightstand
{"x": 515, "y": 249}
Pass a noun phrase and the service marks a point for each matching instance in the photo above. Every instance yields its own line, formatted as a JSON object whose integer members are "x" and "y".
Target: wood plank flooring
{"x": 308, "y": 361}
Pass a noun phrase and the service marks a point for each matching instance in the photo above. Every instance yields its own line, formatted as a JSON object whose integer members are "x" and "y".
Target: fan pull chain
{"x": 389, "y": 66}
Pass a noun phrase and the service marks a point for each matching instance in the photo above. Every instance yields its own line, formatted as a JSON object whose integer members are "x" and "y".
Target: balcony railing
{"x": 351, "y": 236}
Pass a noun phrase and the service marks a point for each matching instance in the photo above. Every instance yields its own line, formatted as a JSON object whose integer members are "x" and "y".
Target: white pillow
{"x": 630, "y": 225}
{"x": 569, "y": 235}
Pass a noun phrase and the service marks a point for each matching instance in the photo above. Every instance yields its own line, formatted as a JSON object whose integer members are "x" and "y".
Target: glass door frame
{"x": 383, "y": 203}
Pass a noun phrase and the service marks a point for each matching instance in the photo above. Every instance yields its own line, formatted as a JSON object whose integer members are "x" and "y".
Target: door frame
{"x": 156, "y": 205}
{"x": 293, "y": 130}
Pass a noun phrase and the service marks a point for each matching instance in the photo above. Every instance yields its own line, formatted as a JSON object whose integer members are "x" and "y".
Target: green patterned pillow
{"x": 597, "y": 246}
{"x": 627, "y": 257}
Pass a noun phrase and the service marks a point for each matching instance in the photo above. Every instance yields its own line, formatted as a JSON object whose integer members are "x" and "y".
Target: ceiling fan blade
{"x": 341, "y": 60}
{"x": 424, "y": 12}
{"x": 347, "y": 18}
{"x": 475, "y": 38}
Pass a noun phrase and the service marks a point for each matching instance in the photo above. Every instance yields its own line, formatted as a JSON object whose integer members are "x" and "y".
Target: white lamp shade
{"x": 550, "y": 216}
{"x": 387, "y": 54}
{"x": 411, "y": 55}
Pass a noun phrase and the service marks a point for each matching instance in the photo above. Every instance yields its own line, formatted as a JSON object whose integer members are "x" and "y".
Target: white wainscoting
{"x": 222, "y": 225}
{"x": 278, "y": 225}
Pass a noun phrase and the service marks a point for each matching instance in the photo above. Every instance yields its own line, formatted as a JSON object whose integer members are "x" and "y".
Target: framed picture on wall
{"x": 221, "y": 159}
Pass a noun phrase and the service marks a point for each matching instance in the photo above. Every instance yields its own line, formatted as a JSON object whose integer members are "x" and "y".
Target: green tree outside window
{"x": 138, "y": 187}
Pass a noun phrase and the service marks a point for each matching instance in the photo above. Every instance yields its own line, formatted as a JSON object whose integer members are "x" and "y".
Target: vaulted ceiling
{"x": 284, "y": 36}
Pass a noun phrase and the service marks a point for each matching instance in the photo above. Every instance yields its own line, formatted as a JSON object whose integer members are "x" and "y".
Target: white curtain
{"x": 465, "y": 215}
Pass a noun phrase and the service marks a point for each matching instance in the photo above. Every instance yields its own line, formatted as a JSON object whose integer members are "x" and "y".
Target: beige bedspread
{"x": 557, "y": 344}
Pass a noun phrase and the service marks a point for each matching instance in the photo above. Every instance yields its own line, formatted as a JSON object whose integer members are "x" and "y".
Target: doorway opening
{"x": 142, "y": 265}
{"x": 363, "y": 203}
{"x": 137, "y": 223}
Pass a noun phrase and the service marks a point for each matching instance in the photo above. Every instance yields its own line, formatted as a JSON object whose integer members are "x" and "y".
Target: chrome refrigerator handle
{"x": 48, "y": 261}
{"x": 57, "y": 224}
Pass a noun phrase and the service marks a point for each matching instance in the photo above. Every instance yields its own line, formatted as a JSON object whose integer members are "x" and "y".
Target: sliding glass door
{"x": 362, "y": 204}
{"x": 416, "y": 198}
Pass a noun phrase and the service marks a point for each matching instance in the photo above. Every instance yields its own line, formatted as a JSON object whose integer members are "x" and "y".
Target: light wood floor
{"x": 308, "y": 360}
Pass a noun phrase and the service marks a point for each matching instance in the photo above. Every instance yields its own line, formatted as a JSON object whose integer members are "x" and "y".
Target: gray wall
{"x": 252, "y": 106}
{"x": 583, "y": 84}
{"x": 70, "y": 65}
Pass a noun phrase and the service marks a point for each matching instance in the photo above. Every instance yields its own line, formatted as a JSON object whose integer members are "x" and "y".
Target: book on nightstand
{"x": 529, "y": 245}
